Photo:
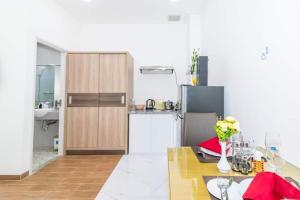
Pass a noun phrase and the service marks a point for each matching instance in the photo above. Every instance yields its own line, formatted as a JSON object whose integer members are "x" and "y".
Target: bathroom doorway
{"x": 48, "y": 104}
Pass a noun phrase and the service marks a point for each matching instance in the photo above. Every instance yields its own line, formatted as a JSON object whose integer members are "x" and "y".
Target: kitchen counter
{"x": 153, "y": 112}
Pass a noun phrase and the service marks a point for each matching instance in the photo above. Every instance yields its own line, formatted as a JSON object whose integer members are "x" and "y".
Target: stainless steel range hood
{"x": 156, "y": 70}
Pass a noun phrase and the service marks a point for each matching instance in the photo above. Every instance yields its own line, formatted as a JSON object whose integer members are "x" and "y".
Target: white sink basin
{"x": 46, "y": 114}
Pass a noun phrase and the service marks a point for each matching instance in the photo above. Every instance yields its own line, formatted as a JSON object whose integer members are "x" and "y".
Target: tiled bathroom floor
{"x": 41, "y": 157}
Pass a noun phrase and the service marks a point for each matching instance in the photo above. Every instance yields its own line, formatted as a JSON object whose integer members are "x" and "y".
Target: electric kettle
{"x": 150, "y": 104}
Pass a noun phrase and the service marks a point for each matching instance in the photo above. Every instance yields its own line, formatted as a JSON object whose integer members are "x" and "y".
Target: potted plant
{"x": 192, "y": 71}
{"x": 225, "y": 129}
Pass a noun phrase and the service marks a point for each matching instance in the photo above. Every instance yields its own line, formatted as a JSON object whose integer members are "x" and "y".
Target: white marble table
{"x": 137, "y": 177}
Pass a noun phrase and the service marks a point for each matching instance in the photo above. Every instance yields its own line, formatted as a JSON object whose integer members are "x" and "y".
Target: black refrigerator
{"x": 199, "y": 99}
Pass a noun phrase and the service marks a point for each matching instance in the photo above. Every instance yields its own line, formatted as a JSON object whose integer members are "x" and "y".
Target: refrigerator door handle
{"x": 184, "y": 137}
{"x": 183, "y": 132}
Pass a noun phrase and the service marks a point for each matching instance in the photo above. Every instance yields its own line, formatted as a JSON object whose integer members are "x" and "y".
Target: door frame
{"x": 63, "y": 53}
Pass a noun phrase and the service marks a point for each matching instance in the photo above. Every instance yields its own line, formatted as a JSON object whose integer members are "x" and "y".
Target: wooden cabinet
{"x": 112, "y": 127}
{"x": 113, "y": 73}
{"x": 82, "y": 128}
{"x": 98, "y": 91}
{"x": 83, "y": 73}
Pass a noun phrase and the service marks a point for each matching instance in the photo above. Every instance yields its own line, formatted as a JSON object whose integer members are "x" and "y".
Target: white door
{"x": 139, "y": 133}
{"x": 162, "y": 132}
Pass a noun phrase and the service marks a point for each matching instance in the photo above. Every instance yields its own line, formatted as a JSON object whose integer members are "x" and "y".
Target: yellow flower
{"x": 219, "y": 123}
{"x": 236, "y": 126}
{"x": 224, "y": 127}
{"x": 230, "y": 119}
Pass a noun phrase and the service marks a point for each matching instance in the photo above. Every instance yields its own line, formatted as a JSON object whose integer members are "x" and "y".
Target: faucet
{"x": 46, "y": 104}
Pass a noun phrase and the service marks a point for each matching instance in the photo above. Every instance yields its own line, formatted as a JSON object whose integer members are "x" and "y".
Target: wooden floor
{"x": 69, "y": 177}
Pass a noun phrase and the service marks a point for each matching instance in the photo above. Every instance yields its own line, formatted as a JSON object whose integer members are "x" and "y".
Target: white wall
{"x": 194, "y": 35}
{"x": 22, "y": 23}
{"x": 47, "y": 56}
{"x": 263, "y": 94}
{"x": 13, "y": 40}
{"x": 152, "y": 44}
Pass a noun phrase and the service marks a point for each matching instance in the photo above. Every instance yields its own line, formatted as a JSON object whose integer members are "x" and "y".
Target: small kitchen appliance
{"x": 169, "y": 105}
{"x": 150, "y": 104}
{"x": 159, "y": 104}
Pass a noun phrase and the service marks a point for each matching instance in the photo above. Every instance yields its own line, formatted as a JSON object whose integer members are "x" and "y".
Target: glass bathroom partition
{"x": 47, "y": 77}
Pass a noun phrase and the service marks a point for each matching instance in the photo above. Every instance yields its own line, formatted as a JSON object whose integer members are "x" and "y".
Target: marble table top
{"x": 137, "y": 177}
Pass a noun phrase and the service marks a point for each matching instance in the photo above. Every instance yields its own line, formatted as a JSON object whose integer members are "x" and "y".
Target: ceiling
{"x": 130, "y": 11}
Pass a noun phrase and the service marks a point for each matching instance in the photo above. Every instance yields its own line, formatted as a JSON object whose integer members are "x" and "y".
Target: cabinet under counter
{"x": 152, "y": 131}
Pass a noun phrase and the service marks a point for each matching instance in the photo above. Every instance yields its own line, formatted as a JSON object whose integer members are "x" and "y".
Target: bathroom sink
{"x": 46, "y": 114}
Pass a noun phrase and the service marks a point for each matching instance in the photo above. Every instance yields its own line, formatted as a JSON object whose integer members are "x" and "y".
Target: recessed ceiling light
{"x": 173, "y": 0}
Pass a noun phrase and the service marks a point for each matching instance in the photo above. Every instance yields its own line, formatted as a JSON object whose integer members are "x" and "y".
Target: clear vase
{"x": 194, "y": 79}
{"x": 223, "y": 164}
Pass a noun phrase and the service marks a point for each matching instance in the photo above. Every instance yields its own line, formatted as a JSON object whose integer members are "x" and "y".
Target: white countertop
{"x": 153, "y": 112}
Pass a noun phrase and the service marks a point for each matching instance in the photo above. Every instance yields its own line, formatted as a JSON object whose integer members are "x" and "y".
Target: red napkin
{"x": 212, "y": 145}
{"x": 270, "y": 186}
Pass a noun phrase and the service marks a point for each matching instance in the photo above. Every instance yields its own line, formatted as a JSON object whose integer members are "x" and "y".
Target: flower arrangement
{"x": 226, "y": 128}
{"x": 195, "y": 56}
{"x": 192, "y": 69}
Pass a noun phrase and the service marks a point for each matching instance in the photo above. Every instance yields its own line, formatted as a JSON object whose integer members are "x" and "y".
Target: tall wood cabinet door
{"x": 112, "y": 127}
{"x": 113, "y": 73}
{"x": 82, "y": 128}
{"x": 83, "y": 73}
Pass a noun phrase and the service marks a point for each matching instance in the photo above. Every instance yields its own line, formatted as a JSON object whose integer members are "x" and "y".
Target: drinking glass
{"x": 249, "y": 146}
{"x": 272, "y": 144}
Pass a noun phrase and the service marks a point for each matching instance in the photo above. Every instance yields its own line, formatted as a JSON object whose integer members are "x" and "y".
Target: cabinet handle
{"x": 70, "y": 100}
{"x": 122, "y": 100}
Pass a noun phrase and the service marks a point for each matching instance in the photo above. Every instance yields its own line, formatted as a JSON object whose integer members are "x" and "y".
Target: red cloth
{"x": 270, "y": 186}
{"x": 212, "y": 144}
